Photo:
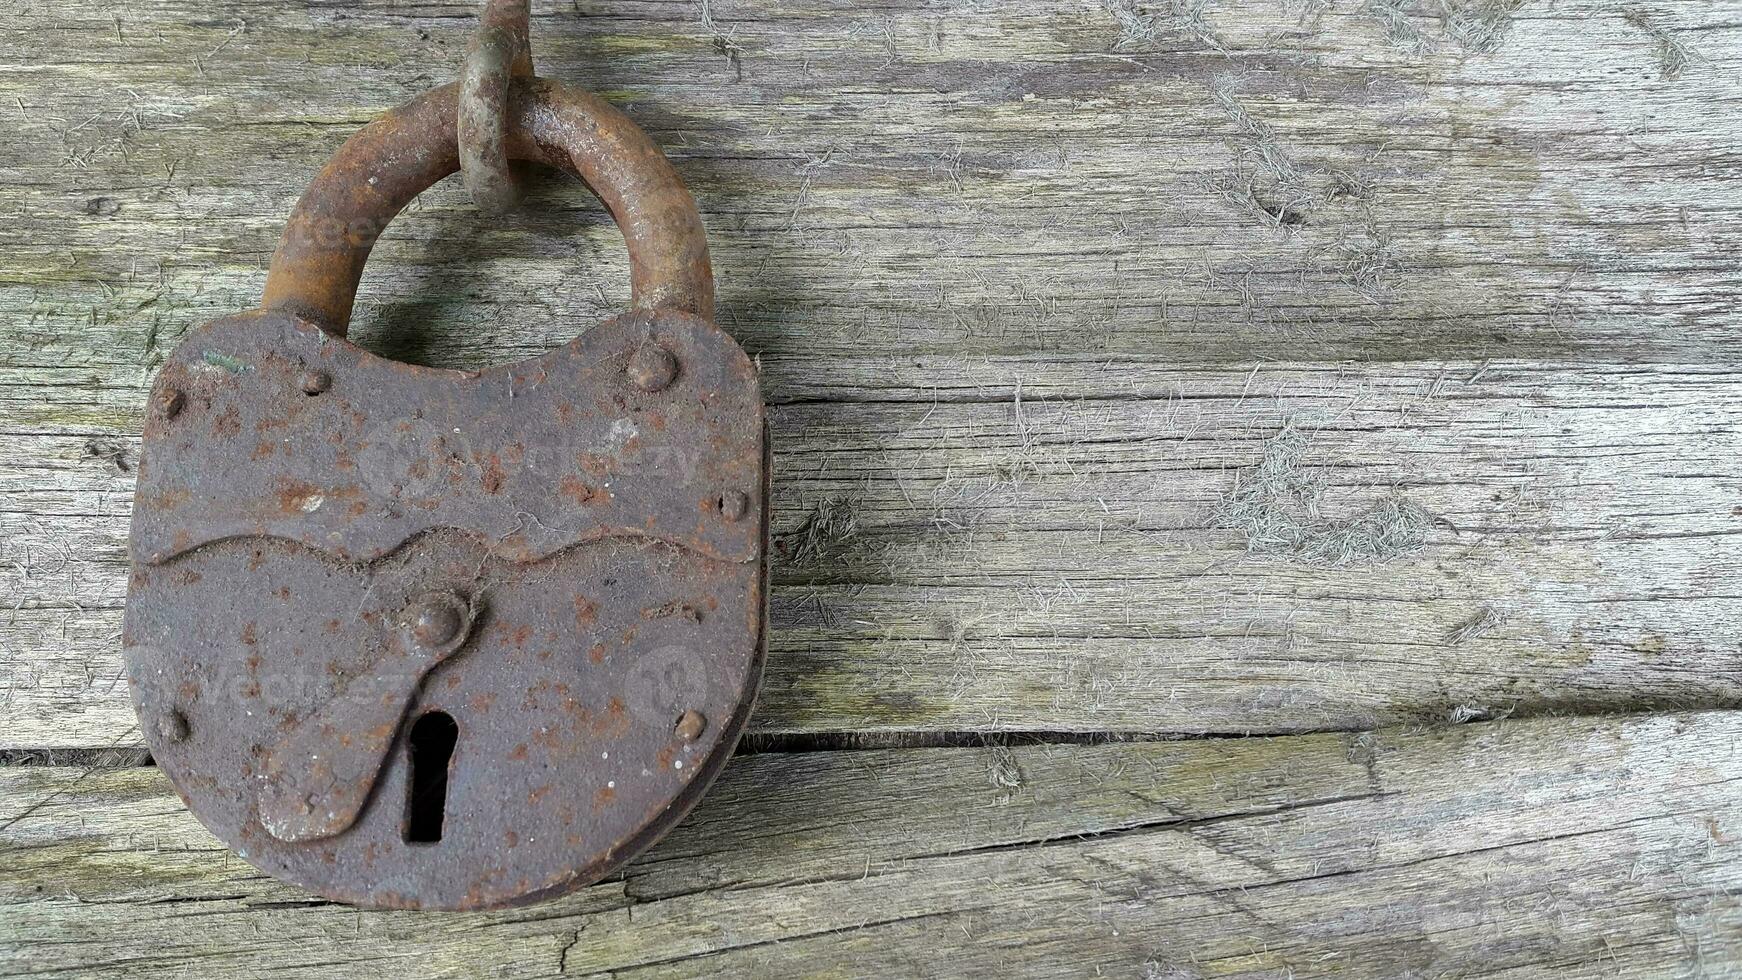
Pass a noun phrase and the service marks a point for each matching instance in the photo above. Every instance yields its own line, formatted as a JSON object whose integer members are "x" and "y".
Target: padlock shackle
{"x": 389, "y": 162}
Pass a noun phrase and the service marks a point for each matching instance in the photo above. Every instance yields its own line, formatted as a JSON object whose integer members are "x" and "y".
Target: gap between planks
{"x": 1382, "y": 854}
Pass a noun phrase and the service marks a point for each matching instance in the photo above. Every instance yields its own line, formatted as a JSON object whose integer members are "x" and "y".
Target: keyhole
{"x": 431, "y": 746}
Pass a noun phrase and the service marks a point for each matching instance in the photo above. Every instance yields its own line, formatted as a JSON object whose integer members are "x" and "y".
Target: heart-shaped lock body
{"x": 420, "y": 638}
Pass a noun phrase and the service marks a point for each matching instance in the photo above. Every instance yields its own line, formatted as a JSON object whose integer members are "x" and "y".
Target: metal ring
{"x": 379, "y": 170}
{"x": 499, "y": 51}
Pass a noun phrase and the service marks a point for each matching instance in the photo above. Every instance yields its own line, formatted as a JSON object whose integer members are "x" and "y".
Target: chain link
{"x": 500, "y": 50}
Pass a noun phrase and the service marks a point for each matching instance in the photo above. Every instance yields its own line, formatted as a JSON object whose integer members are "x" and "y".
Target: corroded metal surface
{"x": 572, "y": 699}
{"x": 501, "y": 49}
{"x": 373, "y": 176}
{"x": 564, "y": 448}
{"x": 439, "y": 639}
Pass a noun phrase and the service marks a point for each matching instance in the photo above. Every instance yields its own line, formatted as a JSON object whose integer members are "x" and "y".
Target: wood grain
{"x": 1197, "y": 367}
{"x": 1073, "y": 560}
{"x": 1034, "y": 286}
{"x": 1383, "y": 854}
{"x": 1276, "y": 180}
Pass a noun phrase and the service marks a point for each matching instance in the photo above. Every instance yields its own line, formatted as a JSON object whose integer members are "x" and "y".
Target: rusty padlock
{"x": 419, "y": 638}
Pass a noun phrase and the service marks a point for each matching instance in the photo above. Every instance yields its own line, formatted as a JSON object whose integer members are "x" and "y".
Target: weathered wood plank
{"x": 1143, "y": 556}
{"x": 1375, "y": 180}
{"x": 1385, "y": 854}
{"x": 986, "y": 204}
{"x": 1019, "y": 276}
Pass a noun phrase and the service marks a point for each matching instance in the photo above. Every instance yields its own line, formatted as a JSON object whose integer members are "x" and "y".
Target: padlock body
{"x": 599, "y": 535}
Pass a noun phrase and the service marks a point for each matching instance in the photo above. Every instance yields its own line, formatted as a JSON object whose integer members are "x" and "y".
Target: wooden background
{"x": 1257, "y": 483}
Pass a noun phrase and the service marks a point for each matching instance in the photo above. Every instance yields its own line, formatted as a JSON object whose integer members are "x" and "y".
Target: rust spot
{"x": 597, "y": 653}
{"x": 574, "y": 488}
{"x": 520, "y": 752}
{"x": 167, "y": 500}
{"x": 228, "y": 423}
{"x": 278, "y": 422}
{"x": 297, "y": 497}
{"x": 686, "y": 610}
{"x": 515, "y": 547}
{"x": 494, "y": 476}
{"x": 603, "y": 798}
{"x": 586, "y": 611}
{"x": 251, "y": 636}
{"x": 615, "y": 722}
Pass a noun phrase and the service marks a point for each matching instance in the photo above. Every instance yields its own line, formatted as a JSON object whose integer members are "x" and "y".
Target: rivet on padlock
{"x": 453, "y": 639}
